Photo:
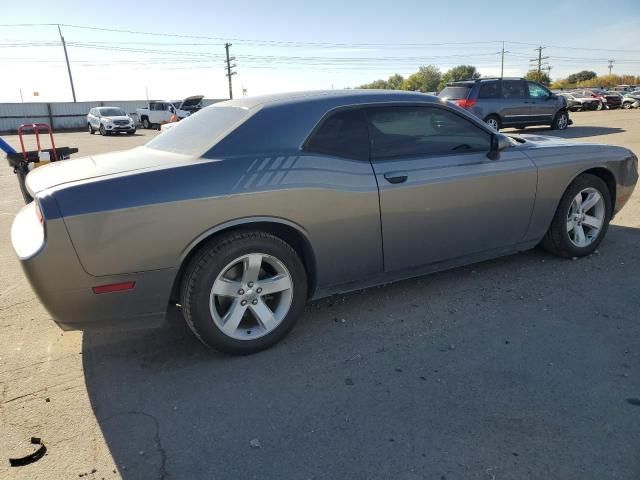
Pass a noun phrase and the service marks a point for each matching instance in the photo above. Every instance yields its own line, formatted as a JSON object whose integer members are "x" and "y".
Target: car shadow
{"x": 570, "y": 132}
{"x": 388, "y": 379}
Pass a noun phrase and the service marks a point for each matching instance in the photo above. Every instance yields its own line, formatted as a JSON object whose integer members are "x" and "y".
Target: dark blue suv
{"x": 509, "y": 102}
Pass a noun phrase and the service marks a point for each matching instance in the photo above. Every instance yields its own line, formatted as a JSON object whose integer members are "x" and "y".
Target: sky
{"x": 294, "y": 45}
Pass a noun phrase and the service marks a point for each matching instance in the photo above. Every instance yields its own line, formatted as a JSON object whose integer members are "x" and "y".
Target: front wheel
{"x": 582, "y": 218}
{"x": 91, "y": 130}
{"x": 243, "y": 292}
{"x": 561, "y": 121}
{"x": 145, "y": 123}
{"x": 599, "y": 106}
{"x": 103, "y": 132}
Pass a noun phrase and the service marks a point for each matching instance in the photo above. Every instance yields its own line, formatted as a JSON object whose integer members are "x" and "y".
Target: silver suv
{"x": 509, "y": 102}
{"x": 110, "y": 120}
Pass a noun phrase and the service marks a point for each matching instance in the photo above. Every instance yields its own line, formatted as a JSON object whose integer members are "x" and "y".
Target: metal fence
{"x": 62, "y": 115}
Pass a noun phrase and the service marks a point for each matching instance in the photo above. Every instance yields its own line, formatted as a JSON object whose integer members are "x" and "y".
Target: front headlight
{"x": 107, "y": 120}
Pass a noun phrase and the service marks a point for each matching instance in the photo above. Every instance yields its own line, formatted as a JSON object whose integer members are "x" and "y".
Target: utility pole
{"x": 230, "y": 73}
{"x": 611, "y": 62}
{"x": 539, "y": 61}
{"x": 502, "y": 62}
{"x": 66, "y": 57}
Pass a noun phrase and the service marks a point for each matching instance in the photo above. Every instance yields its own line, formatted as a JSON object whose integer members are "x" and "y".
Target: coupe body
{"x": 249, "y": 208}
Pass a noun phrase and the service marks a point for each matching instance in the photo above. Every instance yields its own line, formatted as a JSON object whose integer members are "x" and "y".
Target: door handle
{"x": 396, "y": 177}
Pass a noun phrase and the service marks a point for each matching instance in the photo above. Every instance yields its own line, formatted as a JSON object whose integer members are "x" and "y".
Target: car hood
{"x": 191, "y": 101}
{"x": 66, "y": 171}
{"x": 119, "y": 117}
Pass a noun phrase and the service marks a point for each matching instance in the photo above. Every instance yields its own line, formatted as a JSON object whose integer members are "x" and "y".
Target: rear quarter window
{"x": 489, "y": 90}
{"x": 343, "y": 134}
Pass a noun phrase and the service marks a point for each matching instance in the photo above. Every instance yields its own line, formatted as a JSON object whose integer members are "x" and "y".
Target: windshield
{"x": 112, "y": 112}
{"x": 455, "y": 93}
{"x": 198, "y": 133}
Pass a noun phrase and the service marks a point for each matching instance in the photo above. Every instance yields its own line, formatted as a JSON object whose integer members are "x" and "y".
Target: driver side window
{"x": 422, "y": 131}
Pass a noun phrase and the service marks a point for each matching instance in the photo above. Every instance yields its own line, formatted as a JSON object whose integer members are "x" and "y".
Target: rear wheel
{"x": 626, "y": 105}
{"x": 582, "y": 218}
{"x": 493, "y": 121}
{"x": 244, "y": 292}
{"x": 561, "y": 120}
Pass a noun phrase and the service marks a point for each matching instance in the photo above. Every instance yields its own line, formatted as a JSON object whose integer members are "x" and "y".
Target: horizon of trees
{"x": 429, "y": 78}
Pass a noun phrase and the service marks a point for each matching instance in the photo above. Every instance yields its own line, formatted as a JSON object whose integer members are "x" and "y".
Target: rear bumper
{"x": 66, "y": 290}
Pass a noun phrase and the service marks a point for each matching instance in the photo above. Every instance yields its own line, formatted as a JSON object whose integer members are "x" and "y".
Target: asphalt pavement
{"x": 524, "y": 367}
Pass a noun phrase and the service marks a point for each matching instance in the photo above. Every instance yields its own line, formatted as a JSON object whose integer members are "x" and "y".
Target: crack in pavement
{"x": 164, "y": 475}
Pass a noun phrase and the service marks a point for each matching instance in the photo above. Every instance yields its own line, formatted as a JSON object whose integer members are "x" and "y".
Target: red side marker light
{"x": 114, "y": 287}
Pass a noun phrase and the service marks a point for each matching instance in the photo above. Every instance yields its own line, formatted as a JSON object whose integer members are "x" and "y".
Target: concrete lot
{"x": 517, "y": 368}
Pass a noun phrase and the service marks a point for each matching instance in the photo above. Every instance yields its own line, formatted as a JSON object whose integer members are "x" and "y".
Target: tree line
{"x": 430, "y": 78}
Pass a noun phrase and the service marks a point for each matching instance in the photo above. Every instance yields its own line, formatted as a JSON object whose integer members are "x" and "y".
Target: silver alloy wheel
{"x": 563, "y": 120}
{"x": 251, "y": 296}
{"x": 586, "y": 217}
{"x": 493, "y": 123}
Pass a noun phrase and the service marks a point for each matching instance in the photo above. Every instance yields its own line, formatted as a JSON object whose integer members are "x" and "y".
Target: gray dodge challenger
{"x": 243, "y": 212}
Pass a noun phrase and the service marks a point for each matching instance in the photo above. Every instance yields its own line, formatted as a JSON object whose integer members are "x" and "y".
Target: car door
{"x": 93, "y": 118}
{"x": 440, "y": 196}
{"x": 515, "y": 103}
{"x": 542, "y": 103}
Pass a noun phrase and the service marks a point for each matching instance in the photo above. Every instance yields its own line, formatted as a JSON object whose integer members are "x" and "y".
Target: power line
{"x": 304, "y": 43}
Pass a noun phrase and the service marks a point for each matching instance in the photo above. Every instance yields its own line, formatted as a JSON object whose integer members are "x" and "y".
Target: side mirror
{"x": 499, "y": 142}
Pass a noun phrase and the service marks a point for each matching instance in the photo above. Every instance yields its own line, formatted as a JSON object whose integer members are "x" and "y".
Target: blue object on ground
{"x": 4, "y": 146}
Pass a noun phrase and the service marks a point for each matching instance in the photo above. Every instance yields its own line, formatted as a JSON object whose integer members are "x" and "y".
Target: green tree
{"x": 581, "y": 76}
{"x": 395, "y": 82}
{"x": 376, "y": 84}
{"x": 461, "y": 72}
{"x": 426, "y": 79}
{"x": 542, "y": 77}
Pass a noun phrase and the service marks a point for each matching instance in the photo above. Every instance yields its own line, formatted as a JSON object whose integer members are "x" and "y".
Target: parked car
{"x": 509, "y": 102}
{"x": 626, "y": 102}
{"x": 610, "y": 100}
{"x": 576, "y": 103}
{"x": 161, "y": 111}
{"x": 243, "y": 212}
{"x": 110, "y": 120}
{"x": 631, "y": 100}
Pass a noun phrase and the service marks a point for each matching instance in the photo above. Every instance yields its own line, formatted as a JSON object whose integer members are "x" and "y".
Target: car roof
{"x": 333, "y": 97}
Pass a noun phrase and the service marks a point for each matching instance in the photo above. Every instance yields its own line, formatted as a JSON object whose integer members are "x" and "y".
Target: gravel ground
{"x": 517, "y": 368}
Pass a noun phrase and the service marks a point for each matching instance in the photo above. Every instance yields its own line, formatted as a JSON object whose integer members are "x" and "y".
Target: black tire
{"x": 598, "y": 106}
{"x": 103, "y": 132}
{"x": 91, "y": 130}
{"x": 208, "y": 263}
{"x": 145, "y": 123}
{"x": 494, "y": 122}
{"x": 557, "y": 240}
{"x": 627, "y": 105}
{"x": 560, "y": 121}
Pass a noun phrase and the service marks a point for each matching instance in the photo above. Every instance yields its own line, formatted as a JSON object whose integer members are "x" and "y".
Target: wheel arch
{"x": 603, "y": 173}
{"x": 608, "y": 177}
{"x": 288, "y": 231}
